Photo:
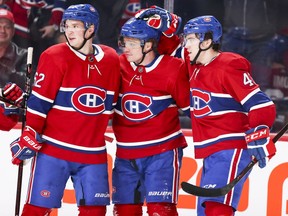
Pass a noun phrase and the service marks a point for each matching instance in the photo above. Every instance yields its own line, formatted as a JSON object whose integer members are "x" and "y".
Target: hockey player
{"x": 9, "y": 114}
{"x": 68, "y": 112}
{"x": 231, "y": 116}
{"x": 146, "y": 124}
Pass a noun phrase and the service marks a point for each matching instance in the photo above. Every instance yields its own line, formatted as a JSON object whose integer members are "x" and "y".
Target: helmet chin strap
{"x": 144, "y": 54}
{"x": 84, "y": 41}
{"x": 198, "y": 53}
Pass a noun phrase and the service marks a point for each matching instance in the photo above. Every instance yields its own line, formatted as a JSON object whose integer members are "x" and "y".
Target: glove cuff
{"x": 179, "y": 25}
{"x": 171, "y": 32}
{"x": 10, "y": 110}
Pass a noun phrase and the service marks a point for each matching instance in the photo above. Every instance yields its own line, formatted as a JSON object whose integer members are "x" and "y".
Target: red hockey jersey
{"x": 72, "y": 100}
{"x": 225, "y": 102}
{"x": 146, "y": 120}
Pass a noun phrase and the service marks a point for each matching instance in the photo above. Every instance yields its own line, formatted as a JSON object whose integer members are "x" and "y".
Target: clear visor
{"x": 128, "y": 43}
{"x": 64, "y": 27}
{"x": 184, "y": 39}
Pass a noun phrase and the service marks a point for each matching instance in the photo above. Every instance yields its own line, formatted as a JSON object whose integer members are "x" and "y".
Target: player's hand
{"x": 12, "y": 92}
{"x": 47, "y": 31}
{"x": 161, "y": 19}
{"x": 26, "y": 145}
{"x": 259, "y": 144}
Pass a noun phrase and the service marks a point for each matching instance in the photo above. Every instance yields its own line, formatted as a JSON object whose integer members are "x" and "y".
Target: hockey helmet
{"x": 137, "y": 28}
{"x": 82, "y": 12}
{"x": 204, "y": 24}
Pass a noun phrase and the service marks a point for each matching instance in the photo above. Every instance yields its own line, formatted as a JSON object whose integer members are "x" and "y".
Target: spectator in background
{"x": 21, "y": 36}
{"x": 12, "y": 58}
{"x": 249, "y": 27}
{"x": 278, "y": 90}
{"x": 38, "y": 21}
{"x": 44, "y": 20}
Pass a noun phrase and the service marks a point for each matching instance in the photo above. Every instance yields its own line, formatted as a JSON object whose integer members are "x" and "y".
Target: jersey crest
{"x": 135, "y": 107}
{"x": 200, "y": 103}
{"x": 89, "y": 100}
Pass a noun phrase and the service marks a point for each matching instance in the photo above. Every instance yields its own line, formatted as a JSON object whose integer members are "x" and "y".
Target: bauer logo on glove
{"x": 26, "y": 145}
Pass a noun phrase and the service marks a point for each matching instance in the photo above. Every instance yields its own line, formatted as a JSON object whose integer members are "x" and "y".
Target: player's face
{"x": 132, "y": 49}
{"x": 6, "y": 31}
{"x": 74, "y": 31}
{"x": 192, "y": 45}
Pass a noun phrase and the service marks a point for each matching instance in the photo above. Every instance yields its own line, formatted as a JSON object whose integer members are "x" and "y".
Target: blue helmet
{"x": 82, "y": 12}
{"x": 204, "y": 24}
{"x": 137, "y": 28}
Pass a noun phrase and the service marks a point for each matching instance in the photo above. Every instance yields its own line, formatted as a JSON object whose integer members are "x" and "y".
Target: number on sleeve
{"x": 247, "y": 80}
{"x": 38, "y": 79}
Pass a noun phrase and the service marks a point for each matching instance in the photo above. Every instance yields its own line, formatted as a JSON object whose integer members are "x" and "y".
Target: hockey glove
{"x": 161, "y": 19}
{"x": 13, "y": 93}
{"x": 26, "y": 145}
{"x": 259, "y": 144}
{"x": 9, "y": 109}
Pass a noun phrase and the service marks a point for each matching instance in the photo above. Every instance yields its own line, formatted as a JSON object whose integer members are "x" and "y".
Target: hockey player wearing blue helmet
{"x": 146, "y": 124}
{"x": 76, "y": 87}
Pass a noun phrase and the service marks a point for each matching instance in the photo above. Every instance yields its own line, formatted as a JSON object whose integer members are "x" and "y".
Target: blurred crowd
{"x": 256, "y": 29}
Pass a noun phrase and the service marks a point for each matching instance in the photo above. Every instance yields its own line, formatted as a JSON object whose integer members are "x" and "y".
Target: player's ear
{"x": 206, "y": 43}
{"x": 90, "y": 30}
{"x": 148, "y": 46}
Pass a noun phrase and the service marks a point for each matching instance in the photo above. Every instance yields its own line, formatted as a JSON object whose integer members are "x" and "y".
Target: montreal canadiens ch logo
{"x": 200, "y": 101}
{"x": 136, "y": 107}
{"x": 89, "y": 100}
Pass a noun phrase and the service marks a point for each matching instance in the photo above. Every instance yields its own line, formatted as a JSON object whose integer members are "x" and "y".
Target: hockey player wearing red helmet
{"x": 227, "y": 109}
{"x": 76, "y": 87}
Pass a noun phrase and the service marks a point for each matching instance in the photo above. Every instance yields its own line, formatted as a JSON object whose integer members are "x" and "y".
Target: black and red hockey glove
{"x": 12, "y": 92}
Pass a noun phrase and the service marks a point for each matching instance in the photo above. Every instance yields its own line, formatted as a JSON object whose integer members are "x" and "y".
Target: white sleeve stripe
{"x": 73, "y": 146}
{"x": 36, "y": 112}
{"x": 269, "y": 103}
{"x": 42, "y": 97}
{"x": 250, "y": 95}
